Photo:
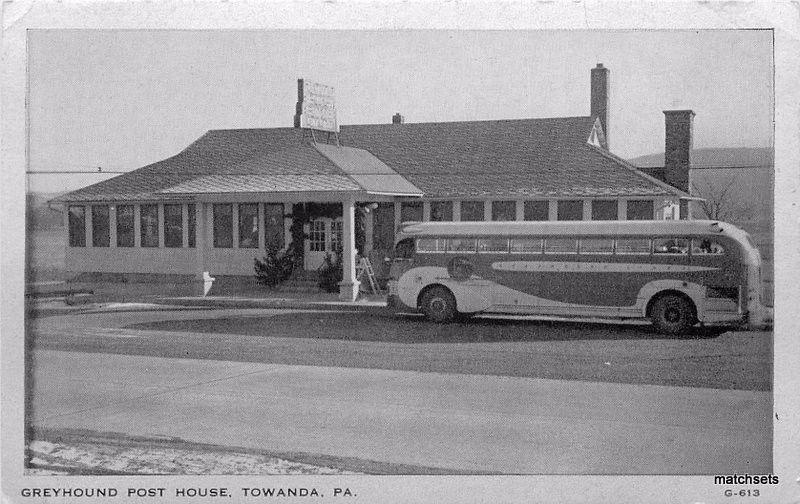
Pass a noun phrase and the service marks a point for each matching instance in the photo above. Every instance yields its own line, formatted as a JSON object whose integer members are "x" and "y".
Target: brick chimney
{"x": 678, "y": 147}
{"x": 599, "y": 96}
{"x": 398, "y": 119}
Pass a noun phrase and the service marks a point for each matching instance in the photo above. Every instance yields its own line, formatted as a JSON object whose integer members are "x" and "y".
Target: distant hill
{"x": 716, "y": 157}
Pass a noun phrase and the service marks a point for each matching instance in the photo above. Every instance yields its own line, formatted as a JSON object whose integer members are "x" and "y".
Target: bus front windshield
{"x": 404, "y": 249}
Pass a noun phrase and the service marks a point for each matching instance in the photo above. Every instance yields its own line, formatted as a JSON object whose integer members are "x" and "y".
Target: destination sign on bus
{"x": 316, "y": 106}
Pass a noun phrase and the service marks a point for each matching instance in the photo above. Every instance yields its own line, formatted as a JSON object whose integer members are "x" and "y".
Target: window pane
{"x": 430, "y": 245}
{"x": 461, "y": 245}
{"x": 537, "y": 210}
{"x": 125, "y": 226}
{"x": 633, "y": 246}
{"x": 441, "y": 211}
{"x": 504, "y": 210}
{"x": 705, "y": 246}
{"x": 488, "y": 245}
{"x": 526, "y": 246}
{"x": 604, "y": 210}
{"x": 191, "y": 221}
{"x": 148, "y": 215}
{"x": 560, "y": 246}
{"x": 173, "y": 226}
{"x": 570, "y": 210}
{"x": 337, "y": 230}
{"x": 640, "y": 210}
{"x": 101, "y": 233}
{"x": 223, "y": 225}
{"x": 77, "y": 226}
{"x": 273, "y": 226}
{"x": 472, "y": 211}
{"x": 670, "y": 246}
{"x": 597, "y": 246}
{"x": 248, "y": 225}
{"x": 316, "y": 236}
{"x": 404, "y": 249}
{"x": 411, "y": 211}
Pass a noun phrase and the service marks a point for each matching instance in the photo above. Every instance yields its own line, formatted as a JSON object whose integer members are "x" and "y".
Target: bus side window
{"x": 560, "y": 246}
{"x": 430, "y": 245}
{"x": 597, "y": 246}
{"x": 706, "y": 246}
{"x": 492, "y": 245}
{"x": 671, "y": 246}
{"x": 526, "y": 245}
{"x": 461, "y": 245}
{"x": 633, "y": 246}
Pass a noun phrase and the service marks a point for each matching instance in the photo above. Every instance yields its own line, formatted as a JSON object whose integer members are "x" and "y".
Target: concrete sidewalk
{"x": 449, "y": 421}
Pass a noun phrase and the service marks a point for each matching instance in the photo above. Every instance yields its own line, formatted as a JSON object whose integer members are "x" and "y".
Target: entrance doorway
{"x": 324, "y": 237}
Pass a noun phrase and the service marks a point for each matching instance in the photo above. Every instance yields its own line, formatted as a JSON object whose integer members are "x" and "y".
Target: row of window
{"x": 607, "y": 246}
{"x": 532, "y": 210}
{"x": 173, "y": 223}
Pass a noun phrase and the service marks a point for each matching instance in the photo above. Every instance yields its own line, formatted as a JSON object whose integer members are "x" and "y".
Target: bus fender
{"x": 696, "y": 293}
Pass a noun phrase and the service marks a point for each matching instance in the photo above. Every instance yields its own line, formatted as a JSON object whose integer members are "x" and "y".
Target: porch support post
{"x": 203, "y": 280}
{"x": 369, "y": 229}
{"x": 348, "y": 287}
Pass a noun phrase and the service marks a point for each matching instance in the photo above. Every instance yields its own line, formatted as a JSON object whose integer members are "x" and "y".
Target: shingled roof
{"x": 510, "y": 158}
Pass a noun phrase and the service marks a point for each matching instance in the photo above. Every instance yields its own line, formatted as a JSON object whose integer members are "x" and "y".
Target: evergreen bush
{"x": 275, "y": 269}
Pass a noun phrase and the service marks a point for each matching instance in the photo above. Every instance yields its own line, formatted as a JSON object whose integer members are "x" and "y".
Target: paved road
{"x": 522, "y": 348}
{"x": 452, "y": 421}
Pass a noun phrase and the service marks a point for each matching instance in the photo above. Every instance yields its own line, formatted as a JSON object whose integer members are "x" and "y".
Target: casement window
{"x": 536, "y": 211}
{"x": 411, "y": 211}
{"x": 316, "y": 235}
{"x": 148, "y": 220}
{"x": 641, "y": 209}
{"x": 441, "y": 211}
{"x": 248, "y": 225}
{"x": 337, "y": 231}
{"x": 472, "y": 211}
{"x": 126, "y": 234}
{"x": 274, "y": 226}
{"x": 604, "y": 210}
{"x": 504, "y": 210}
{"x": 77, "y": 225}
{"x": 101, "y": 232}
{"x": 569, "y": 210}
{"x": 173, "y": 226}
{"x": 223, "y": 225}
{"x": 191, "y": 222}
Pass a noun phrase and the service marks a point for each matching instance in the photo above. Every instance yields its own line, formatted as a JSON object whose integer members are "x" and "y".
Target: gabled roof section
{"x": 536, "y": 158}
{"x": 367, "y": 171}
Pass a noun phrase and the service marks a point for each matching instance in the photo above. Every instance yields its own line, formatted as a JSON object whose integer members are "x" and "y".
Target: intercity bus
{"x": 676, "y": 273}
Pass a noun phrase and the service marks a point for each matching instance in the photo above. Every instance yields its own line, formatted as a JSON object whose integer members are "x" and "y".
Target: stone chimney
{"x": 398, "y": 119}
{"x": 678, "y": 147}
{"x": 599, "y": 96}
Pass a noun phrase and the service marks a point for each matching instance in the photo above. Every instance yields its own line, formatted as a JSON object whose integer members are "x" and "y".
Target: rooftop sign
{"x": 316, "y": 107}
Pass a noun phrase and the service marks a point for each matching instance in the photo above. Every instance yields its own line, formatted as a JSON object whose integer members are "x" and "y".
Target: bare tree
{"x": 721, "y": 200}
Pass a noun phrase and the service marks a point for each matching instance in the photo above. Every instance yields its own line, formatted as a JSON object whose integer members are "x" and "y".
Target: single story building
{"x": 232, "y": 194}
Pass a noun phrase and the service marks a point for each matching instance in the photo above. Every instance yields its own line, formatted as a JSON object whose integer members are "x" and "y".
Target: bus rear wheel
{"x": 439, "y": 305}
{"x": 672, "y": 314}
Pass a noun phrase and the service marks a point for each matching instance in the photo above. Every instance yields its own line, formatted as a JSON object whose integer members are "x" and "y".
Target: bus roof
{"x": 620, "y": 227}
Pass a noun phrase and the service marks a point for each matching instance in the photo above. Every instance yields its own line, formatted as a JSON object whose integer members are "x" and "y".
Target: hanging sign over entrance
{"x": 316, "y": 107}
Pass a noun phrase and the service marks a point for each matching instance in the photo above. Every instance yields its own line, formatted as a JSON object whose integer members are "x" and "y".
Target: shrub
{"x": 275, "y": 269}
{"x": 330, "y": 273}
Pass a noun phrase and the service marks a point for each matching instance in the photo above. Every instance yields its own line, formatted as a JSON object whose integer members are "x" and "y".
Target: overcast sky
{"x": 124, "y": 99}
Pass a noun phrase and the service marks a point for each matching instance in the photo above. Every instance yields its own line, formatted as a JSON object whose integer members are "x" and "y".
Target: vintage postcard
{"x": 456, "y": 253}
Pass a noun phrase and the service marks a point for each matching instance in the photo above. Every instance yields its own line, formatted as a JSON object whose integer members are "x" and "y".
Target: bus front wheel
{"x": 672, "y": 314}
{"x": 439, "y": 305}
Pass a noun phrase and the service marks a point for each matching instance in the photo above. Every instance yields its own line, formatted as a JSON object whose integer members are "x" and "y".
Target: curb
{"x": 290, "y": 304}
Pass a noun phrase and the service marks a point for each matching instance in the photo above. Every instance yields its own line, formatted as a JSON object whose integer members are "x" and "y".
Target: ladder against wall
{"x": 364, "y": 267}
